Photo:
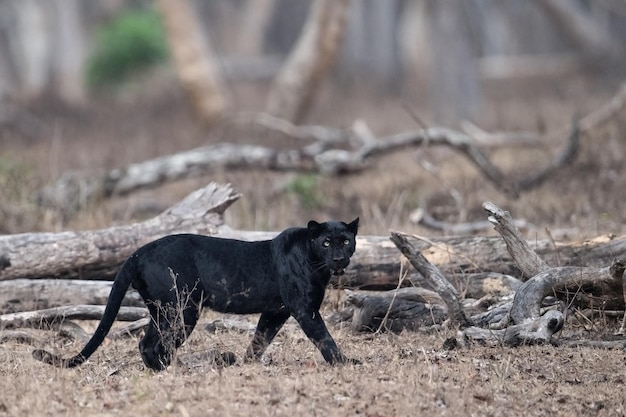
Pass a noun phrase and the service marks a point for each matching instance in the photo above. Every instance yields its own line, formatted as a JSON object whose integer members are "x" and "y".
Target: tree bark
{"x": 376, "y": 264}
{"x": 27, "y": 294}
{"x": 53, "y": 316}
{"x": 193, "y": 59}
{"x": 599, "y": 288}
{"x": 312, "y": 57}
{"x": 526, "y": 259}
{"x": 434, "y": 276}
{"x": 90, "y": 254}
{"x": 537, "y": 331}
{"x": 69, "y": 51}
{"x": 588, "y": 286}
{"x": 403, "y": 309}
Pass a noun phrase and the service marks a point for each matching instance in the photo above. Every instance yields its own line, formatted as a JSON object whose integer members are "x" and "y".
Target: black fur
{"x": 179, "y": 274}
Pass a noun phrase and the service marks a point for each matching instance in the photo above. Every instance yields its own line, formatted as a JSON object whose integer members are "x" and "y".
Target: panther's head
{"x": 333, "y": 243}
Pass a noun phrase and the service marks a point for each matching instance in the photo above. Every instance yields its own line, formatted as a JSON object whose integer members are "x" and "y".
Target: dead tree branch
{"x": 423, "y": 218}
{"x": 438, "y": 282}
{"x": 325, "y": 152}
{"x": 524, "y": 257}
{"x": 537, "y": 331}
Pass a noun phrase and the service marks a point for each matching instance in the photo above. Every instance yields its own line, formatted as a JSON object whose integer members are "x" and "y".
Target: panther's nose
{"x": 338, "y": 259}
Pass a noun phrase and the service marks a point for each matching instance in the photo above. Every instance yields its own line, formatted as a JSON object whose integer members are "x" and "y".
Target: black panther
{"x": 178, "y": 275}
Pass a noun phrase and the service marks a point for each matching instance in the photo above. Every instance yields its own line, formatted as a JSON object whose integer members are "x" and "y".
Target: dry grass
{"x": 401, "y": 375}
{"x": 405, "y": 374}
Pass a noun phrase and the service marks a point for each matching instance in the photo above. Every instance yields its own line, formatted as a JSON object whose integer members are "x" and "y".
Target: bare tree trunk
{"x": 594, "y": 41}
{"x": 69, "y": 51}
{"x": 255, "y": 18}
{"x": 312, "y": 57}
{"x": 193, "y": 59}
{"x": 456, "y": 93}
{"x": 30, "y": 43}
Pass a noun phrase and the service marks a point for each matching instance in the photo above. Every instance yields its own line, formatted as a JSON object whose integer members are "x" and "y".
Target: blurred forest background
{"x": 89, "y": 87}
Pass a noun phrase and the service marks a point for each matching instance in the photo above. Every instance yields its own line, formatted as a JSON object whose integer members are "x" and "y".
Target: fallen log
{"x": 30, "y": 294}
{"x": 53, "y": 316}
{"x": 403, "y": 309}
{"x": 374, "y": 266}
{"x": 376, "y": 263}
{"x": 89, "y": 254}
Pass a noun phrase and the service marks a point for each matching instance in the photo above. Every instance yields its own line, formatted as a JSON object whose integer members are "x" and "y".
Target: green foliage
{"x": 132, "y": 42}
{"x": 305, "y": 188}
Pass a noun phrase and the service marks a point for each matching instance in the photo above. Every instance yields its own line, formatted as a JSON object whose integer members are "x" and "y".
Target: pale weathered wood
{"x": 586, "y": 286}
{"x": 310, "y": 61}
{"x": 327, "y": 153}
{"x": 30, "y": 294}
{"x": 438, "y": 282}
{"x": 599, "y": 288}
{"x": 57, "y": 315}
{"x": 537, "y": 331}
{"x": 524, "y": 257}
{"x": 374, "y": 266}
{"x": 193, "y": 59}
{"x": 90, "y": 253}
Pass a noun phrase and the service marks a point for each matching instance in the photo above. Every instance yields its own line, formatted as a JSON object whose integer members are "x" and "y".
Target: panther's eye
{"x": 326, "y": 243}
{"x": 346, "y": 242}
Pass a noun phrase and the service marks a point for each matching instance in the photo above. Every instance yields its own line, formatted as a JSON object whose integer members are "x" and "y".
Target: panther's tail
{"x": 121, "y": 284}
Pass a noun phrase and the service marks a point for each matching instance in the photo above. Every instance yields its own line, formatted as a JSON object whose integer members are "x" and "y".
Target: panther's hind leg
{"x": 269, "y": 324}
{"x": 167, "y": 331}
{"x": 156, "y": 354}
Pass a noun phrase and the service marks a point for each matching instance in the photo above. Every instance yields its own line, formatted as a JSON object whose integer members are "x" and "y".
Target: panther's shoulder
{"x": 291, "y": 236}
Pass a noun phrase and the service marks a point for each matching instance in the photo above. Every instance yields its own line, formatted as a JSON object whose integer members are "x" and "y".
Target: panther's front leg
{"x": 316, "y": 331}
{"x": 269, "y": 324}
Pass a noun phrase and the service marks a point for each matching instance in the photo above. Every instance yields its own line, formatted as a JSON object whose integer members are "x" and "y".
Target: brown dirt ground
{"x": 400, "y": 375}
{"x": 406, "y": 374}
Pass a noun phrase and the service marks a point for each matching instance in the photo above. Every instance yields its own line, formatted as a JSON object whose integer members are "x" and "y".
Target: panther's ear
{"x": 314, "y": 229}
{"x": 353, "y": 226}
